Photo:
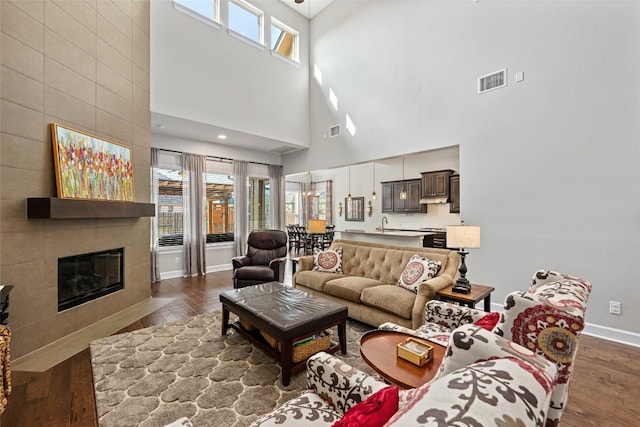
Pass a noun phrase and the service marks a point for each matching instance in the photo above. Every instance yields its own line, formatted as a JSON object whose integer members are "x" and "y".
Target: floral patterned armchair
{"x": 547, "y": 319}
{"x": 505, "y": 385}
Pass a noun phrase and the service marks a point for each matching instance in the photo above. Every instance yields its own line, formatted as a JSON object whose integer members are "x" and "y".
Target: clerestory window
{"x": 246, "y": 20}
{"x": 284, "y": 40}
{"x": 209, "y": 9}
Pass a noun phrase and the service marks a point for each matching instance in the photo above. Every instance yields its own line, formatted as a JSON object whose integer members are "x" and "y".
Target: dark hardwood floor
{"x": 604, "y": 389}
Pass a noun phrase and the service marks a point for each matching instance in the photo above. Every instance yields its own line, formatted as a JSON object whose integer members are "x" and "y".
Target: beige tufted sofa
{"x": 369, "y": 283}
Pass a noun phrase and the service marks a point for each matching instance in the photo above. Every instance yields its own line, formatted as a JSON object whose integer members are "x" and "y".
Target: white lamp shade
{"x": 463, "y": 236}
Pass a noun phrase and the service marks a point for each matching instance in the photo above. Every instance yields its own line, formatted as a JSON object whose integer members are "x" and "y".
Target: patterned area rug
{"x": 154, "y": 376}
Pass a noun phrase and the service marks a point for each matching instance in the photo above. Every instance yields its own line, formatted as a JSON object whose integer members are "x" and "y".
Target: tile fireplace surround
{"x": 94, "y": 79}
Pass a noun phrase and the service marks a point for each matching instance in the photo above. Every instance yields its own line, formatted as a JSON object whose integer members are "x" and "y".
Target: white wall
{"x": 548, "y": 165}
{"x": 201, "y": 73}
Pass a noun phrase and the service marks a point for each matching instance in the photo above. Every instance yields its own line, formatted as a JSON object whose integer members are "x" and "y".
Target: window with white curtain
{"x": 259, "y": 209}
{"x": 292, "y": 203}
{"x": 219, "y": 206}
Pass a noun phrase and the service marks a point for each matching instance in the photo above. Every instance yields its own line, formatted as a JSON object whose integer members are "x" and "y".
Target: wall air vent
{"x": 334, "y": 131}
{"x": 492, "y": 81}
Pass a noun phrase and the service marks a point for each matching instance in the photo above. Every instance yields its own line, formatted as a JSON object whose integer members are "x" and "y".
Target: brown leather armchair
{"x": 264, "y": 261}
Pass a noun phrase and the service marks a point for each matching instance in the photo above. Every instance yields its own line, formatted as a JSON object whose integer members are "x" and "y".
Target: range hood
{"x": 434, "y": 200}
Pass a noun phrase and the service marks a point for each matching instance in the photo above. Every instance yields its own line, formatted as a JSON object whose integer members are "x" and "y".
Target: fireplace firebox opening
{"x": 85, "y": 277}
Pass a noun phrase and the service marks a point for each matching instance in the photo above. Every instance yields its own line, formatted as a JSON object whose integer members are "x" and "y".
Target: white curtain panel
{"x": 304, "y": 203}
{"x": 329, "y": 203}
{"x": 155, "y": 267}
{"x": 240, "y": 205}
{"x": 193, "y": 198}
{"x": 276, "y": 184}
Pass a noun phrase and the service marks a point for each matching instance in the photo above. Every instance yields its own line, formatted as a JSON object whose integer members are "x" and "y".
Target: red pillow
{"x": 488, "y": 321}
{"x": 375, "y": 411}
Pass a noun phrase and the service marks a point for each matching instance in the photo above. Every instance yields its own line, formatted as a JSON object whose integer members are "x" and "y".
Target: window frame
{"x": 210, "y": 172}
{"x": 254, "y": 11}
{"x": 287, "y": 30}
{"x": 169, "y": 169}
{"x": 213, "y": 22}
{"x": 264, "y": 218}
{"x": 173, "y": 166}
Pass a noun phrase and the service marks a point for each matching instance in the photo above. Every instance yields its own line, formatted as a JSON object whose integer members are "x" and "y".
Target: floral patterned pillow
{"x": 329, "y": 261}
{"x": 417, "y": 270}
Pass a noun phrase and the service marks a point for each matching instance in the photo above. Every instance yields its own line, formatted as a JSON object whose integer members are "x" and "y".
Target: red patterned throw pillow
{"x": 375, "y": 411}
{"x": 329, "y": 261}
{"x": 417, "y": 270}
{"x": 488, "y": 321}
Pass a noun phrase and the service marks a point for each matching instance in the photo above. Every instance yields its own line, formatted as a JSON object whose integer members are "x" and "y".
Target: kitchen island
{"x": 389, "y": 237}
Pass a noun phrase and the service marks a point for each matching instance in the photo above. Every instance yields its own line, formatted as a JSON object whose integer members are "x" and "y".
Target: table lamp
{"x": 463, "y": 236}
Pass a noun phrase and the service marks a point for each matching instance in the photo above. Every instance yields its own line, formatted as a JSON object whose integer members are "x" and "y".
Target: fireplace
{"x": 85, "y": 277}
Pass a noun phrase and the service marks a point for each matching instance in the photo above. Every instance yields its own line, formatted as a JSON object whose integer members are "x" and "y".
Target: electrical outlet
{"x": 615, "y": 307}
{"x": 177, "y": 260}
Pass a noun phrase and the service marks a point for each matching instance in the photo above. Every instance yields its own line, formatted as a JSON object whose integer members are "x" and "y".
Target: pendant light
{"x": 349, "y": 196}
{"x": 403, "y": 193}
{"x": 373, "y": 195}
{"x": 309, "y": 194}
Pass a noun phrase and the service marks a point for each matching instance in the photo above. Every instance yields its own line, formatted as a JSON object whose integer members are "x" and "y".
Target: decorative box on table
{"x": 416, "y": 351}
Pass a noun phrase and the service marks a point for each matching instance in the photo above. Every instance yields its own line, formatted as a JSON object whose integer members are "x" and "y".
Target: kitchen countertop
{"x": 395, "y": 233}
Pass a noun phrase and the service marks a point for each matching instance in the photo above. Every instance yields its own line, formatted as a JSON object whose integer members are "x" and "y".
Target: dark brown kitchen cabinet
{"x": 436, "y": 184}
{"x": 387, "y": 197}
{"x": 391, "y": 201}
{"x": 454, "y": 194}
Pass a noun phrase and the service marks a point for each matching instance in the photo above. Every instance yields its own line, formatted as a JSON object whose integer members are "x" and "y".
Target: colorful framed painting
{"x": 91, "y": 168}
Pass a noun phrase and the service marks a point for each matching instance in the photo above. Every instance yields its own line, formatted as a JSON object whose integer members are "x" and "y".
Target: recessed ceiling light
{"x": 222, "y": 136}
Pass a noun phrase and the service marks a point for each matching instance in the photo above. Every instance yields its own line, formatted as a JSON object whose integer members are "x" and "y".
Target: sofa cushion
{"x": 417, "y": 270}
{"x": 385, "y": 263}
{"x": 315, "y": 279}
{"x": 329, "y": 261}
{"x": 309, "y": 410}
{"x": 506, "y": 391}
{"x": 253, "y": 272}
{"x": 391, "y": 298}
{"x": 375, "y": 411}
{"x": 349, "y": 287}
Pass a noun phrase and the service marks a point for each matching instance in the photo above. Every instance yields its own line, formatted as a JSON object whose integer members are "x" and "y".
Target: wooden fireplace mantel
{"x": 55, "y": 208}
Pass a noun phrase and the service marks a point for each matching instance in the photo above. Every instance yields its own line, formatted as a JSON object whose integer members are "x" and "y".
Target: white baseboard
{"x": 171, "y": 274}
{"x": 219, "y": 267}
{"x": 612, "y": 334}
{"x": 598, "y": 331}
{"x": 179, "y": 273}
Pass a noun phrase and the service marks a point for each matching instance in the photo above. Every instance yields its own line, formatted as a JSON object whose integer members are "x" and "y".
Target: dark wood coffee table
{"x": 287, "y": 315}
{"x": 378, "y": 349}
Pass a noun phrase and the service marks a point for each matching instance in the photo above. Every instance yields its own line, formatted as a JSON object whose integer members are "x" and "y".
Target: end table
{"x": 478, "y": 292}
